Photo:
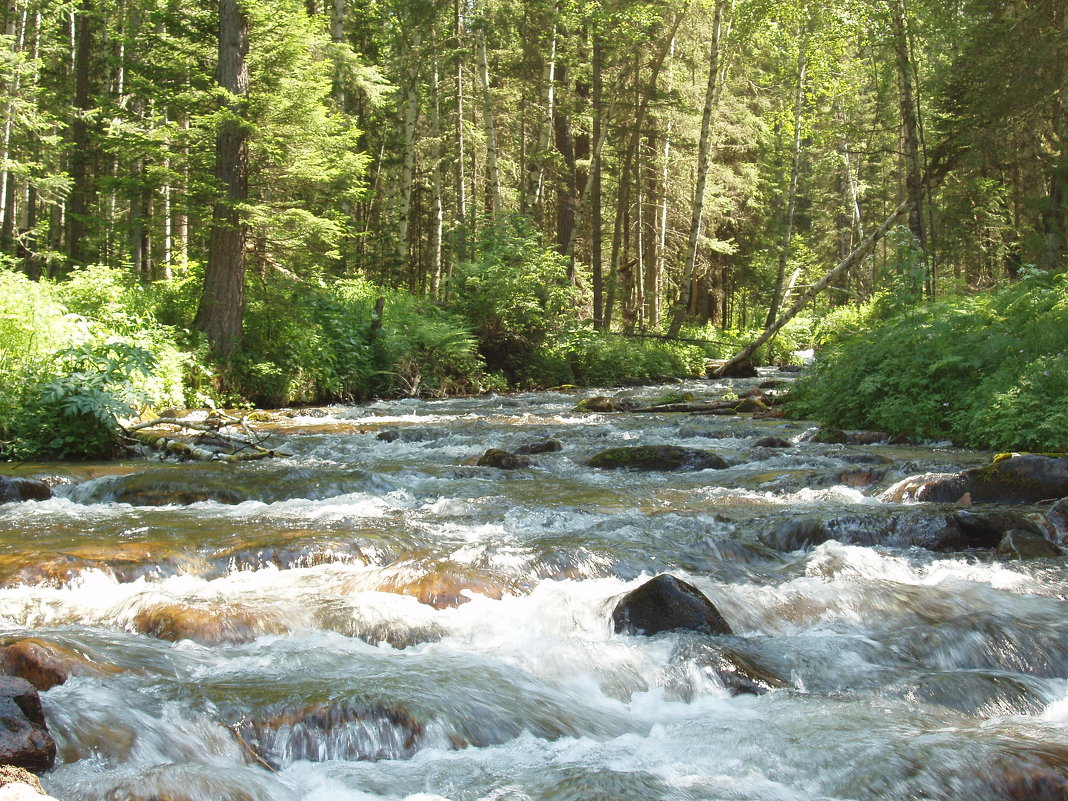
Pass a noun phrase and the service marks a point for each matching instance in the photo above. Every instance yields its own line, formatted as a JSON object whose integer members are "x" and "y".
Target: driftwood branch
{"x": 232, "y": 447}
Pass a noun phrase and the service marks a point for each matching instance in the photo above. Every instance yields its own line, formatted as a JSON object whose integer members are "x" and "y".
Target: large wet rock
{"x": 657, "y": 457}
{"x": 502, "y": 460}
{"x": 666, "y": 603}
{"x": 24, "y": 738}
{"x": 17, "y": 488}
{"x": 1010, "y": 478}
{"x": 943, "y": 532}
{"x": 599, "y": 403}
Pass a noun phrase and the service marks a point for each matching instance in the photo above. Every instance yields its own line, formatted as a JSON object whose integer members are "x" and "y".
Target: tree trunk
{"x": 564, "y": 141}
{"x": 533, "y": 191}
{"x": 337, "y": 36}
{"x": 80, "y": 193}
{"x": 790, "y": 206}
{"x": 704, "y": 161}
{"x": 438, "y": 188}
{"x": 409, "y": 118}
{"x": 223, "y": 300}
{"x": 460, "y": 192}
{"x": 910, "y": 131}
{"x": 596, "y": 222}
{"x": 488, "y": 120}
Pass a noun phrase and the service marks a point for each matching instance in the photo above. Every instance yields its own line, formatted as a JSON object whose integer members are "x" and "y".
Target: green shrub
{"x": 984, "y": 370}
{"x": 515, "y": 293}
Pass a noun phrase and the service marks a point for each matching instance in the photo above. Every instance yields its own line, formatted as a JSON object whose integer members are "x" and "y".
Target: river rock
{"x": 599, "y": 403}
{"x": 18, "y": 488}
{"x": 657, "y": 457}
{"x": 333, "y": 731}
{"x": 24, "y": 738}
{"x": 751, "y": 405}
{"x": 1019, "y": 544}
{"x": 544, "y": 446}
{"x": 1009, "y": 479}
{"x": 446, "y": 587}
{"x": 830, "y": 436}
{"x": 33, "y": 661}
{"x": 502, "y": 460}
{"x": 773, "y": 442}
{"x": 666, "y": 603}
{"x": 413, "y": 434}
{"x": 17, "y": 784}
{"x": 208, "y": 626}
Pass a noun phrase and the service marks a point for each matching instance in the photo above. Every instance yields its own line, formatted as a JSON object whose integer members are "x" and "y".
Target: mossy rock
{"x": 657, "y": 457}
{"x": 600, "y": 403}
{"x": 830, "y": 436}
{"x": 1020, "y": 478}
{"x": 772, "y": 442}
{"x": 502, "y": 460}
{"x": 750, "y": 405}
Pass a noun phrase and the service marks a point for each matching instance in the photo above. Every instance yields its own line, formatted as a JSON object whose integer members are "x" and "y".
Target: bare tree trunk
{"x": 438, "y": 187}
{"x": 488, "y": 120}
{"x": 910, "y": 131}
{"x": 222, "y": 304}
{"x": 846, "y": 264}
{"x": 337, "y": 36}
{"x": 596, "y": 223}
{"x": 78, "y": 204}
{"x": 460, "y": 211}
{"x": 409, "y": 118}
{"x": 661, "y": 255}
{"x": 791, "y": 190}
{"x": 533, "y": 190}
{"x": 704, "y": 161}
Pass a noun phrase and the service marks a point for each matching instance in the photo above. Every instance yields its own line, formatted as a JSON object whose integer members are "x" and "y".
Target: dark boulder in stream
{"x": 657, "y": 457}
{"x": 666, "y": 603}
{"x": 1010, "y": 478}
{"x": 24, "y": 738}
{"x": 502, "y": 460}
{"x": 543, "y": 446}
{"x": 17, "y": 488}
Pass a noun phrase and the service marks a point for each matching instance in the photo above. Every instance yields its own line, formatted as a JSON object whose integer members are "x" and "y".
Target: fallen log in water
{"x": 210, "y": 443}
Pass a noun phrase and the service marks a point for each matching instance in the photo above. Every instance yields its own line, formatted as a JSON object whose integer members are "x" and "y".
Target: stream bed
{"x": 374, "y": 617}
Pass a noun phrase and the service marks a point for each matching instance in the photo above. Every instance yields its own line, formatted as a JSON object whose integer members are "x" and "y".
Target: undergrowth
{"x": 985, "y": 371}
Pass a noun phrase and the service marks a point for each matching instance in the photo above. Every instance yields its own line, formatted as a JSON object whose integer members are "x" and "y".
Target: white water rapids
{"x": 373, "y": 619}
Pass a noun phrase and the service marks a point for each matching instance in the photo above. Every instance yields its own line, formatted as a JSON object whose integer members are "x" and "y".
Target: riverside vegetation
{"x": 204, "y": 203}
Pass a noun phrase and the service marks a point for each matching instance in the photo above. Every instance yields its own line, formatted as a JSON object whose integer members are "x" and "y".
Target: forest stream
{"x": 375, "y": 617}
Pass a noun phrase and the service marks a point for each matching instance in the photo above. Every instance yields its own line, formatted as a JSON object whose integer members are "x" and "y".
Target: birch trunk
{"x": 704, "y": 161}
{"x": 492, "y": 169}
{"x": 791, "y": 190}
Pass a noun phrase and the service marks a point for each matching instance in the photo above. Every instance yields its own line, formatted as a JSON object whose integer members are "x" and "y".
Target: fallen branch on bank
{"x": 210, "y": 442}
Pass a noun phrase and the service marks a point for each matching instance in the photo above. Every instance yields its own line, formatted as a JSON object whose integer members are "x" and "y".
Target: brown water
{"x": 381, "y": 620}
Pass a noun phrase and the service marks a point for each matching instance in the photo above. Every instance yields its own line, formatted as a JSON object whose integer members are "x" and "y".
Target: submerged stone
{"x": 773, "y": 442}
{"x": 666, "y": 603}
{"x": 657, "y": 457}
{"x": 544, "y": 446}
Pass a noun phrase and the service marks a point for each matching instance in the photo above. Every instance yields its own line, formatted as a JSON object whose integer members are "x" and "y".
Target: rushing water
{"x": 380, "y": 619}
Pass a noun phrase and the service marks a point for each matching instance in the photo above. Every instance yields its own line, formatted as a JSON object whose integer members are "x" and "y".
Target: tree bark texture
{"x": 222, "y": 303}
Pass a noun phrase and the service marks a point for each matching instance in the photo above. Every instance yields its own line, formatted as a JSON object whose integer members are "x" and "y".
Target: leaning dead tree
{"x": 219, "y": 438}
{"x": 844, "y": 266}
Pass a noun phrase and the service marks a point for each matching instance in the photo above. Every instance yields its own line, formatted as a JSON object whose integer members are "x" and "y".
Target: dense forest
{"x": 291, "y": 201}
